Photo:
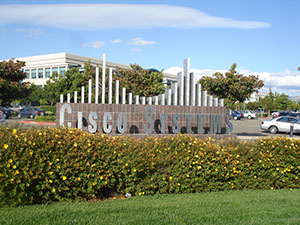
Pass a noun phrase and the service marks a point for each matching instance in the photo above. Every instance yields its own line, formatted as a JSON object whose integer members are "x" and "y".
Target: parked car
{"x": 235, "y": 114}
{"x": 17, "y": 108}
{"x": 297, "y": 115}
{"x": 249, "y": 114}
{"x": 7, "y": 111}
{"x": 31, "y": 112}
{"x": 281, "y": 124}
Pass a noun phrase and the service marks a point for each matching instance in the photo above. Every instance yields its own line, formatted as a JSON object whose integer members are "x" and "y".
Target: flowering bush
{"x": 39, "y": 166}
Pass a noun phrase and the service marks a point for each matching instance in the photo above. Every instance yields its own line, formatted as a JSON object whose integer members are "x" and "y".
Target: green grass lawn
{"x": 228, "y": 207}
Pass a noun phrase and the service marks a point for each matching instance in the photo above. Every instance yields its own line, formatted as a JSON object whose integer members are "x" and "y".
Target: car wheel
{"x": 19, "y": 116}
{"x": 31, "y": 116}
{"x": 235, "y": 118}
{"x": 273, "y": 130}
{"x": 249, "y": 117}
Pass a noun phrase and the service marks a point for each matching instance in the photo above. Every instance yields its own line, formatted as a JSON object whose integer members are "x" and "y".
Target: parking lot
{"x": 243, "y": 128}
{"x": 246, "y": 127}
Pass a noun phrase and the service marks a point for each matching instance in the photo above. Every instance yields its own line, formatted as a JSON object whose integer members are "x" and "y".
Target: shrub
{"x": 39, "y": 166}
{"x": 44, "y": 118}
{"x": 49, "y": 108}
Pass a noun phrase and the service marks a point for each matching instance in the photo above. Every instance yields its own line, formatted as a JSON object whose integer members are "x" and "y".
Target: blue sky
{"x": 261, "y": 36}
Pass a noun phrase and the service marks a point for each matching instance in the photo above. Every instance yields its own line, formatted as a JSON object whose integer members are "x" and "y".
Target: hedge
{"x": 46, "y": 165}
{"x": 49, "y": 108}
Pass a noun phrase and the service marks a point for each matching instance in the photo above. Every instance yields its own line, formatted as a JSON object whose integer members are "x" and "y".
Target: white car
{"x": 250, "y": 115}
{"x": 281, "y": 124}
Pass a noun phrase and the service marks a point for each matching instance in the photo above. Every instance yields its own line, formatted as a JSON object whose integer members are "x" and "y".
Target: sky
{"x": 261, "y": 36}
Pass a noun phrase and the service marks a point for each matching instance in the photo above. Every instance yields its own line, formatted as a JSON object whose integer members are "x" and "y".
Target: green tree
{"x": 11, "y": 85}
{"x": 268, "y": 102}
{"x": 282, "y": 101}
{"x": 231, "y": 86}
{"x": 252, "y": 105}
{"x": 71, "y": 81}
{"x": 140, "y": 81}
{"x": 37, "y": 94}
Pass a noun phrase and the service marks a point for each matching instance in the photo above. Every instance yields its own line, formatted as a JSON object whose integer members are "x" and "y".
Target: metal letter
{"x": 150, "y": 109}
{"x": 188, "y": 122}
{"x": 122, "y": 128}
{"x": 176, "y": 128}
{"x": 163, "y": 119}
{"x": 229, "y": 124}
{"x": 62, "y": 114}
{"x": 200, "y": 124}
{"x": 79, "y": 120}
{"x": 107, "y": 128}
{"x": 93, "y": 127}
{"x": 215, "y": 124}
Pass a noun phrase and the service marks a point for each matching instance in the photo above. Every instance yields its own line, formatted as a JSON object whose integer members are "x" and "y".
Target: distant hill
{"x": 295, "y": 99}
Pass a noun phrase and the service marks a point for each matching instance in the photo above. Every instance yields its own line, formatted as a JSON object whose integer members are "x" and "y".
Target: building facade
{"x": 40, "y": 68}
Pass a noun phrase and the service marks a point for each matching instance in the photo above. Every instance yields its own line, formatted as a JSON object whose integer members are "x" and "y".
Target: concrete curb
{"x": 42, "y": 123}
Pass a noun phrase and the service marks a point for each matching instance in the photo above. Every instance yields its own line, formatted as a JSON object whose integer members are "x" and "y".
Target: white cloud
{"x": 116, "y": 41}
{"x": 282, "y": 82}
{"x": 107, "y": 16}
{"x": 139, "y": 41}
{"x": 98, "y": 44}
{"x": 95, "y": 44}
{"x": 32, "y": 32}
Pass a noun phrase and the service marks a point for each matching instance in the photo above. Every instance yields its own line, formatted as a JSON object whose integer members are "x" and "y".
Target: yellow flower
{"x": 14, "y": 131}
{"x": 75, "y": 144}
{"x": 64, "y": 177}
{"x": 27, "y": 185}
{"x": 12, "y": 179}
{"x": 10, "y": 160}
{"x": 40, "y": 133}
{"x": 134, "y": 170}
{"x": 170, "y": 178}
{"x": 126, "y": 164}
{"x": 101, "y": 178}
{"x": 50, "y": 181}
{"x": 50, "y": 173}
{"x": 14, "y": 166}
{"x": 53, "y": 190}
{"x": 5, "y": 146}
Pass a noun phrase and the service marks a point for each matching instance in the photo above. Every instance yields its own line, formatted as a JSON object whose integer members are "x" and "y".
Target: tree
{"x": 252, "y": 105}
{"x": 11, "y": 85}
{"x": 282, "y": 101}
{"x": 36, "y": 96}
{"x": 71, "y": 81}
{"x": 140, "y": 81}
{"x": 231, "y": 86}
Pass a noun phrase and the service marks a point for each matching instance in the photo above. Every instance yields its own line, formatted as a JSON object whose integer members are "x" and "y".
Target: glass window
{"x": 283, "y": 119}
{"x": 28, "y": 74}
{"x": 33, "y": 73}
{"x": 62, "y": 70}
{"x": 47, "y": 72}
{"x": 54, "y": 71}
{"x": 41, "y": 73}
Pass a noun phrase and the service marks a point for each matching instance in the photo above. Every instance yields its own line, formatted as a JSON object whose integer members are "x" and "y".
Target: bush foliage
{"x": 39, "y": 166}
{"x": 45, "y": 118}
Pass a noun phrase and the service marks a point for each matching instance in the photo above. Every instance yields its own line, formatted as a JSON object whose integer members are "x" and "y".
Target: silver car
{"x": 281, "y": 124}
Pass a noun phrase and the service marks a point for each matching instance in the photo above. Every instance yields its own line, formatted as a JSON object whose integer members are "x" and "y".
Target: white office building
{"x": 40, "y": 68}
